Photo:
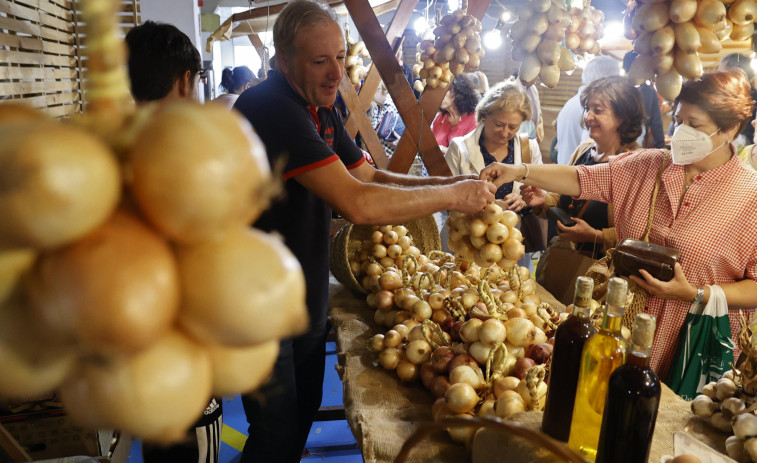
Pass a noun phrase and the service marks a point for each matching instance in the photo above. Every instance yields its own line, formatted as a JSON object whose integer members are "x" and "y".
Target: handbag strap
{"x": 654, "y": 195}
{"x": 525, "y": 148}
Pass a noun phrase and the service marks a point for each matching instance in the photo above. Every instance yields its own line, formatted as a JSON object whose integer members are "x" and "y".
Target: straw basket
{"x": 349, "y": 240}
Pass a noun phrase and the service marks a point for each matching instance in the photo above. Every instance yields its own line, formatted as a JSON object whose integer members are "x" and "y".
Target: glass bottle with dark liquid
{"x": 633, "y": 397}
{"x": 603, "y": 353}
{"x": 570, "y": 338}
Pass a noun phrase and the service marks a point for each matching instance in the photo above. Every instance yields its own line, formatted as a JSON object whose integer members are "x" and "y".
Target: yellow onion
{"x": 682, "y": 11}
{"x": 57, "y": 182}
{"x": 663, "y": 39}
{"x": 13, "y": 264}
{"x": 710, "y": 41}
{"x": 742, "y": 12}
{"x": 742, "y": 32}
{"x": 198, "y": 171}
{"x": 31, "y": 364}
{"x": 156, "y": 394}
{"x": 241, "y": 369}
{"x": 687, "y": 37}
{"x": 245, "y": 289}
{"x": 651, "y": 16}
{"x": 710, "y": 13}
{"x": 116, "y": 289}
{"x": 688, "y": 64}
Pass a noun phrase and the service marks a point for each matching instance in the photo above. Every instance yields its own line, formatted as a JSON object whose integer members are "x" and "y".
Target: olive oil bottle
{"x": 633, "y": 398}
{"x": 570, "y": 338}
{"x": 603, "y": 353}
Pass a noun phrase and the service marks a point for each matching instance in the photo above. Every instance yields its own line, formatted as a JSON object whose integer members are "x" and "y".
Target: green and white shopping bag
{"x": 705, "y": 347}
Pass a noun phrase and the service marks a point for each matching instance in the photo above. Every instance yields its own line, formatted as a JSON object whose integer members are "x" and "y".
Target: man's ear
{"x": 184, "y": 85}
{"x": 283, "y": 63}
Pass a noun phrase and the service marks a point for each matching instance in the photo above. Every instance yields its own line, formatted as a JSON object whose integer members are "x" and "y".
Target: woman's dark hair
{"x": 724, "y": 96}
{"x": 466, "y": 97}
{"x": 234, "y": 80}
{"x": 159, "y": 55}
{"x": 625, "y": 101}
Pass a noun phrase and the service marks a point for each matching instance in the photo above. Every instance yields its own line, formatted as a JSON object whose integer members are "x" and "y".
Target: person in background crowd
{"x": 386, "y": 120}
{"x": 569, "y": 131}
{"x": 456, "y": 116}
{"x": 234, "y": 82}
{"x": 165, "y": 66}
{"x": 479, "y": 81}
{"x": 652, "y": 135}
{"x": 748, "y": 154}
{"x": 613, "y": 114}
{"x": 324, "y": 169}
{"x": 733, "y": 61}
{"x": 499, "y": 114}
{"x": 704, "y": 208}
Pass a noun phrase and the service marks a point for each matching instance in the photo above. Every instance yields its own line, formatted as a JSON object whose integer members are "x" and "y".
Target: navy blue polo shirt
{"x": 308, "y": 138}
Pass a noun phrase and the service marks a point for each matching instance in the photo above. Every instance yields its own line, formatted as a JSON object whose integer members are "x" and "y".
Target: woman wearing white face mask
{"x": 704, "y": 208}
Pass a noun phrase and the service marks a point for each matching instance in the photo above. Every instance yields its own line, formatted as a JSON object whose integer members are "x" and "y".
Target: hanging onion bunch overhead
{"x": 537, "y": 38}
{"x": 670, "y": 35}
{"x": 129, "y": 276}
{"x": 585, "y": 29}
{"x": 353, "y": 61}
{"x": 456, "y": 49}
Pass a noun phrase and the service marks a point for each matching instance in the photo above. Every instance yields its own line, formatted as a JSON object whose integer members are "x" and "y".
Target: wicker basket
{"x": 349, "y": 240}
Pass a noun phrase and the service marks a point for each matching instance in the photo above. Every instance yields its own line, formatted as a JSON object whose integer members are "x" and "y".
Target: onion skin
{"x": 239, "y": 370}
{"x": 198, "y": 171}
{"x": 245, "y": 289}
{"x": 30, "y": 365}
{"x": 156, "y": 394}
{"x": 57, "y": 183}
{"x": 115, "y": 290}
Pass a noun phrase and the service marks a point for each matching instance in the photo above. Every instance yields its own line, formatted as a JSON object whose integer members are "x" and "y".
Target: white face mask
{"x": 690, "y": 145}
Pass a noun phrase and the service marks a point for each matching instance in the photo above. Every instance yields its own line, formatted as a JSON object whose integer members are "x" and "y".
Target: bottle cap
{"x": 617, "y": 289}
{"x": 643, "y": 330}
{"x": 584, "y": 291}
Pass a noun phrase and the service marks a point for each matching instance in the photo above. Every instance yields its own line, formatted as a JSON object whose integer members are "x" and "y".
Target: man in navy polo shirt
{"x": 293, "y": 114}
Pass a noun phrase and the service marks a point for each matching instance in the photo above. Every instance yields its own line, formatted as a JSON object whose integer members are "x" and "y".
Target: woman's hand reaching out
{"x": 514, "y": 202}
{"x": 499, "y": 173}
{"x": 532, "y": 196}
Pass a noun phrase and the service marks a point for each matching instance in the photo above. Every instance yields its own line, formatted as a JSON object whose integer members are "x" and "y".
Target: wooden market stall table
{"x": 383, "y": 412}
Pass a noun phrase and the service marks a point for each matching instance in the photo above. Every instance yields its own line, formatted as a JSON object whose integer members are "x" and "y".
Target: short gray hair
{"x": 507, "y": 95}
{"x": 296, "y": 16}
{"x": 599, "y": 67}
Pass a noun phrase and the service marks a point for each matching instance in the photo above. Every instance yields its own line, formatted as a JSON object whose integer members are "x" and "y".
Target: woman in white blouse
{"x": 499, "y": 114}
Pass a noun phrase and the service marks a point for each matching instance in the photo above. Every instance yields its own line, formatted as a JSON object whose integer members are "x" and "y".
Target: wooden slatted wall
{"x": 41, "y": 61}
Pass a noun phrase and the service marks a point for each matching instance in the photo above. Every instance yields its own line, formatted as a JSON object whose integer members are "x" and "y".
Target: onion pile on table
{"x": 729, "y": 403}
{"x": 669, "y": 35}
{"x": 487, "y": 238}
{"x": 456, "y": 49}
{"x": 537, "y": 36}
{"x": 131, "y": 280}
{"x": 477, "y": 338}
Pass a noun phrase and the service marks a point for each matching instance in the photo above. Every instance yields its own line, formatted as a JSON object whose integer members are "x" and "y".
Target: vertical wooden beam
{"x": 430, "y": 102}
{"x": 394, "y": 79}
{"x": 395, "y": 30}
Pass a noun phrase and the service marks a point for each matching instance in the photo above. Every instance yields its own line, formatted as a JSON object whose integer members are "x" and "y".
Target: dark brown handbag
{"x": 633, "y": 255}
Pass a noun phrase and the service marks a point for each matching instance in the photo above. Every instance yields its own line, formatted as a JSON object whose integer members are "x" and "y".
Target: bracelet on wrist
{"x": 525, "y": 176}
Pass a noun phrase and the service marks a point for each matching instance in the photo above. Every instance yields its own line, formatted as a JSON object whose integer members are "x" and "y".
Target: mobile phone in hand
{"x": 559, "y": 215}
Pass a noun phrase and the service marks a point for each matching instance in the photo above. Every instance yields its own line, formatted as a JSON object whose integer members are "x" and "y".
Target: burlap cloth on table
{"x": 674, "y": 415}
{"x": 381, "y": 411}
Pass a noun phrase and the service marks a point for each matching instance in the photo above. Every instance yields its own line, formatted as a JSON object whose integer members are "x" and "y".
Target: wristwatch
{"x": 700, "y": 295}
